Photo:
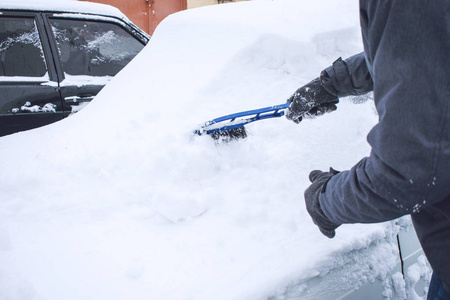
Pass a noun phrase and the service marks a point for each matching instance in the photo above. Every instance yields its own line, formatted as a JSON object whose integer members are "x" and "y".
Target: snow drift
{"x": 121, "y": 201}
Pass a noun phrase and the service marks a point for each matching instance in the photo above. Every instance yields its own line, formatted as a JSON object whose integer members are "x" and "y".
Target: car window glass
{"x": 21, "y": 51}
{"x": 93, "y": 48}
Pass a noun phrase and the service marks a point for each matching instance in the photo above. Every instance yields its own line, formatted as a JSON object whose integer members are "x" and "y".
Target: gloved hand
{"x": 319, "y": 181}
{"x": 311, "y": 100}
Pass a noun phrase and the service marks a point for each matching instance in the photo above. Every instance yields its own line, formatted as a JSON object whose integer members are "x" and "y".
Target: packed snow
{"x": 63, "y": 6}
{"x": 122, "y": 201}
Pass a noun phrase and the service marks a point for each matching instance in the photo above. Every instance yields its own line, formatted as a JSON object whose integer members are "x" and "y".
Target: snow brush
{"x": 231, "y": 127}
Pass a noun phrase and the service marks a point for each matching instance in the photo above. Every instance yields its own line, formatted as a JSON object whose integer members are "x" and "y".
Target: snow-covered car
{"x": 56, "y": 57}
{"x": 122, "y": 201}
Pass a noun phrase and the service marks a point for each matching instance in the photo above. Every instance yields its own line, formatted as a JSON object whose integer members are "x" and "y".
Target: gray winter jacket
{"x": 406, "y": 62}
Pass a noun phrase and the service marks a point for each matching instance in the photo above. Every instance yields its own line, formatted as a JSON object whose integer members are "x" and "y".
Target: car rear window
{"x": 21, "y": 51}
{"x": 93, "y": 48}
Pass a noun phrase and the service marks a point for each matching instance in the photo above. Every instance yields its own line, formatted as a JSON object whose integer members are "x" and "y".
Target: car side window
{"x": 93, "y": 48}
{"x": 21, "y": 52}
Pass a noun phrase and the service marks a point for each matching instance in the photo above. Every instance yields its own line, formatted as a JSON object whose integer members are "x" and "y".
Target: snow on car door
{"x": 29, "y": 95}
{"x": 91, "y": 51}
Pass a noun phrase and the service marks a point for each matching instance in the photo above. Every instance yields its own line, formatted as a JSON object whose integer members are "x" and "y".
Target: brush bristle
{"x": 229, "y": 135}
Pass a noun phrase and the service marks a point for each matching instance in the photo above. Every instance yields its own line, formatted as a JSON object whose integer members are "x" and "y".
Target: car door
{"x": 90, "y": 50}
{"x": 29, "y": 94}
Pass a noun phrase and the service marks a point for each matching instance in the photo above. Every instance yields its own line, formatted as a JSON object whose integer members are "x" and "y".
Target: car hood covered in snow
{"x": 121, "y": 201}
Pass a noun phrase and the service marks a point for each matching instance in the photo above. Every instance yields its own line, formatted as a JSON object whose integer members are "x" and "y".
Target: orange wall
{"x": 146, "y": 14}
{"x": 162, "y": 8}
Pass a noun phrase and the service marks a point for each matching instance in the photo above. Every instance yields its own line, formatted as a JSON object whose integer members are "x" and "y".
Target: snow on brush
{"x": 121, "y": 201}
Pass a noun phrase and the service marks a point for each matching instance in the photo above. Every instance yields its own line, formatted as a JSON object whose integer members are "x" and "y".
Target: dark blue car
{"x": 54, "y": 60}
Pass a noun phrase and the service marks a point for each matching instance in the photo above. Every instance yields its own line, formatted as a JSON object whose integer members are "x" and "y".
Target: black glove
{"x": 311, "y": 100}
{"x": 319, "y": 181}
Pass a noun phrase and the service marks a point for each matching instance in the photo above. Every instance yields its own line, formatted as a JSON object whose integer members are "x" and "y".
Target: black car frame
{"x": 54, "y": 60}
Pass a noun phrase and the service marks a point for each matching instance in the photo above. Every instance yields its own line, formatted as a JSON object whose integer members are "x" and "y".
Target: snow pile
{"x": 418, "y": 271}
{"x": 409, "y": 287}
{"x": 120, "y": 201}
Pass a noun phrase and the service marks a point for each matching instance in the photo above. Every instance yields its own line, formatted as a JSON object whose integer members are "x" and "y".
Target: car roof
{"x": 68, "y": 6}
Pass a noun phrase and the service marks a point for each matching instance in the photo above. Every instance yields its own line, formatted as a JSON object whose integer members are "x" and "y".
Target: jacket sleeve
{"x": 408, "y": 170}
{"x": 349, "y": 77}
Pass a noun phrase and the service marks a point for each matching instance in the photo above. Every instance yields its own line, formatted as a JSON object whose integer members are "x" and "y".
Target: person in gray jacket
{"x": 406, "y": 63}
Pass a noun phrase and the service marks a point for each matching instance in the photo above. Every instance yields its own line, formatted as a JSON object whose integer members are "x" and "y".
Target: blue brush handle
{"x": 257, "y": 115}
